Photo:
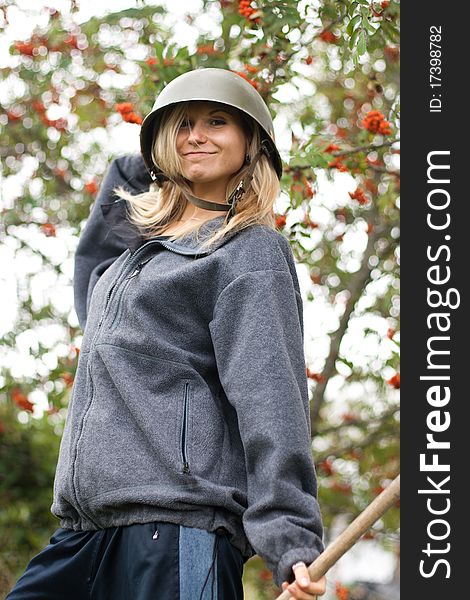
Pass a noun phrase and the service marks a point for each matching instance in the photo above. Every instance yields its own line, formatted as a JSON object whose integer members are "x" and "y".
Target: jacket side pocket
{"x": 184, "y": 435}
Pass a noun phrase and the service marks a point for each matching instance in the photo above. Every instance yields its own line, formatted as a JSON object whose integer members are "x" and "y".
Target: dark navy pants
{"x": 151, "y": 561}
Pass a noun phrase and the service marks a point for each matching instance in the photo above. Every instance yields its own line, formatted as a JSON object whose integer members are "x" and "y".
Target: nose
{"x": 197, "y": 134}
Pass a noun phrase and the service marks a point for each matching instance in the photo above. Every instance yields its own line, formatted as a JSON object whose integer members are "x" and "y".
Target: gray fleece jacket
{"x": 190, "y": 400}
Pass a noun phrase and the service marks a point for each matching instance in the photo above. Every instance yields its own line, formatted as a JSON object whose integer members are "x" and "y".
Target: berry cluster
{"x": 331, "y": 148}
{"x": 315, "y": 376}
{"x": 14, "y": 115}
{"x": 246, "y": 10}
{"x": 375, "y": 122}
{"x": 359, "y": 195}
{"x": 91, "y": 187}
{"x": 32, "y": 46}
{"x": 308, "y": 189}
{"x": 207, "y": 49}
{"x": 328, "y": 36}
{"x": 326, "y": 467}
{"x": 152, "y": 61}
{"x": 337, "y": 163}
{"x": 21, "y": 400}
{"x": 254, "y": 83}
{"x": 342, "y": 593}
{"x": 280, "y": 221}
{"x": 394, "y": 381}
{"x": 48, "y": 229}
{"x": 126, "y": 110}
{"x": 383, "y": 6}
{"x": 370, "y": 186}
{"x": 25, "y": 48}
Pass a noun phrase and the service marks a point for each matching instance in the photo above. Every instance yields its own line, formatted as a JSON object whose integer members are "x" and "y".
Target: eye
{"x": 218, "y": 121}
{"x": 184, "y": 124}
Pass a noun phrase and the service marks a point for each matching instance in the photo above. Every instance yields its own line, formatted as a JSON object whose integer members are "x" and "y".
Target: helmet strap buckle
{"x": 241, "y": 188}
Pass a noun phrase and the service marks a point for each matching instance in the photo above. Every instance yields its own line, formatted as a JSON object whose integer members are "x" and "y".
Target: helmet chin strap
{"x": 234, "y": 197}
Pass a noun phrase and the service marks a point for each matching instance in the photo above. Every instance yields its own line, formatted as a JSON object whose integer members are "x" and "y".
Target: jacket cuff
{"x": 284, "y": 567}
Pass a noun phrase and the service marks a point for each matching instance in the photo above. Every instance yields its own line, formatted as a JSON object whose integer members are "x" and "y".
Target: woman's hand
{"x": 303, "y": 588}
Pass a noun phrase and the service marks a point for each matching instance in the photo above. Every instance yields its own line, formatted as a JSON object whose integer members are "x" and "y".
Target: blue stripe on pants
{"x": 198, "y": 566}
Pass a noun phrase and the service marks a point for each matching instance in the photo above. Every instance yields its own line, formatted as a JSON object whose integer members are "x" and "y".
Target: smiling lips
{"x": 199, "y": 154}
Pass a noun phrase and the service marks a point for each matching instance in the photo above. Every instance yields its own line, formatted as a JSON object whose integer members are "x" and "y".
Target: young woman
{"x": 187, "y": 443}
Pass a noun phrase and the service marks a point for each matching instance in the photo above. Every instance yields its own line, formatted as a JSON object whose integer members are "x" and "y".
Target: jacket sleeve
{"x": 99, "y": 246}
{"x": 257, "y": 334}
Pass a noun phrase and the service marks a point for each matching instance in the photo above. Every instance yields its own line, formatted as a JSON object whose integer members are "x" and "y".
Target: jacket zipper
{"x": 128, "y": 260}
{"x": 117, "y": 314}
{"x": 184, "y": 430}
{"x": 108, "y": 297}
{"x": 119, "y": 278}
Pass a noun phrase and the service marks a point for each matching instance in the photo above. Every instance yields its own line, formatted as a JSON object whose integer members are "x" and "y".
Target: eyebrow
{"x": 220, "y": 110}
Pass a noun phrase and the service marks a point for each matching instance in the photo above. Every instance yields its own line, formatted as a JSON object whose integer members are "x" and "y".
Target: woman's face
{"x": 215, "y": 146}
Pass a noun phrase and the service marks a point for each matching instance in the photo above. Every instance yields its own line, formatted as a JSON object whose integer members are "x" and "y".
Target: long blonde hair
{"x": 152, "y": 211}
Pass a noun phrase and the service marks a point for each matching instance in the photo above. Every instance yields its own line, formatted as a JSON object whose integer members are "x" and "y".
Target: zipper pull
{"x": 186, "y": 467}
{"x": 136, "y": 272}
{"x": 138, "y": 269}
{"x": 155, "y": 535}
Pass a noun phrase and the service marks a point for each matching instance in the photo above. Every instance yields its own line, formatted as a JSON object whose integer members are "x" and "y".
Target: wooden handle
{"x": 352, "y": 533}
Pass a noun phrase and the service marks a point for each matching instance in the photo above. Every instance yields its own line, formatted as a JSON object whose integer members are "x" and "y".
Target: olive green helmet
{"x": 217, "y": 85}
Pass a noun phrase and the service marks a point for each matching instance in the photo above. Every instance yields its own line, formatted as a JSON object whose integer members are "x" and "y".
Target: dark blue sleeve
{"x": 99, "y": 246}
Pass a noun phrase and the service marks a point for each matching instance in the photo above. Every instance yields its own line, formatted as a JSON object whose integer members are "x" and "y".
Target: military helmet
{"x": 216, "y": 85}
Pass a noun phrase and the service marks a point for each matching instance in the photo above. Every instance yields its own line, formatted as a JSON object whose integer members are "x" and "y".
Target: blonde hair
{"x": 154, "y": 210}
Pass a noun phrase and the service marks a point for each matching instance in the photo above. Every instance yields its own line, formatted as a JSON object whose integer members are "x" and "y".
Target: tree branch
{"x": 356, "y": 288}
{"x": 361, "y": 423}
{"x": 383, "y": 170}
{"x": 378, "y": 433}
{"x": 364, "y": 148}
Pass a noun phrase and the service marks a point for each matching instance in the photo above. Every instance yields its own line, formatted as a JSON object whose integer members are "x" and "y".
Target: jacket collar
{"x": 115, "y": 216}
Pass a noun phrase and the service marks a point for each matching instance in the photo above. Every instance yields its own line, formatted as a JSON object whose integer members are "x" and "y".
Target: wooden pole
{"x": 352, "y": 533}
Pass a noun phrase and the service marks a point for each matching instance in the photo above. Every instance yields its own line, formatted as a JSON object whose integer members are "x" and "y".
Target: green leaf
{"x": 354, "y": 36}
{"x": 352, "y": 8}
{"x": 352, "y": 23}
{"x": 368, "y": 25}
{"x": 390, "y": 32}
{"x": 348, "y": 363}
{"x": 362, "y": 44}
{"x": 159, "y": 51}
